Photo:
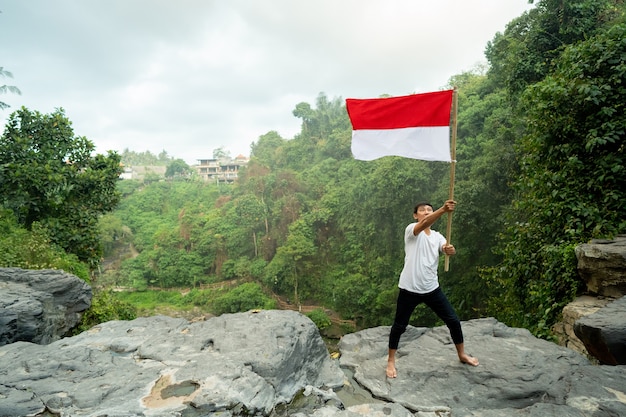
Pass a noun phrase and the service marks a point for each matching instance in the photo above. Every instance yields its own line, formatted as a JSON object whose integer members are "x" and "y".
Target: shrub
{"x": 105, "y": 307}
{"x": 32, "y": 249}
{"x": 320, "y": 318}
{"x": 245, "y": 297}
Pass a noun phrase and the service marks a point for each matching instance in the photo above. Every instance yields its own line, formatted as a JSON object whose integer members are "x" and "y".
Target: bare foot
{"x": 470, "y": 360}
{"x": 391, "y": 370}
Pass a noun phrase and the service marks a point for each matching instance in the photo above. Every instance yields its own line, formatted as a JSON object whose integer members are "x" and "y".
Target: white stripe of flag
{"x": 415, "y": 126}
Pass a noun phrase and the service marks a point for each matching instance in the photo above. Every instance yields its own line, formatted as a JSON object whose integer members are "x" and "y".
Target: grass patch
{"x": 217, "y": 301}
{"x": 170, "y": 302}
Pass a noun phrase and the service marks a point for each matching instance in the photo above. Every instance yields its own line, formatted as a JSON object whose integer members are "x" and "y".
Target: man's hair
{"x": 420, "y": 204}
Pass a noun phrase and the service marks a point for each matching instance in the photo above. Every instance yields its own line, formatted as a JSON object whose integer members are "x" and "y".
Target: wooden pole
{"x": 452, "y": 167}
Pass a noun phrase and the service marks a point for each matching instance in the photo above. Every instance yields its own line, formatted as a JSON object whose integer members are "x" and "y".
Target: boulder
{"x": 604, "y": 333}
{"x": 582, "y": 306}
{"x": 518, "y": 375}
{"x": 602, "y": 265}
{"x": 40, "y": 306}
{"x": 235, "y": 364}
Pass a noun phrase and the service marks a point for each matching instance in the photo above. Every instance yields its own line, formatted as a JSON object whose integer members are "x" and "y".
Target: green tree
{"x": 251, "y": 217}
{"x": 293, "y": 259}
{"x": 145, "y": 158}
{"x": 266, "y": 148}
{"x": 320, "y": 318}
{"x": 221, "y": 153}
{"x": 113, "y": 233}
{"x": 325, "y": 133}
{"x": 48, "y": 175}
{"x": 258, "y": 180}
{"x": 572, "y": 175}
{"x": 525, "y": 52}
{"x": 164, "y": 158}
{"x": 177, "y": 168}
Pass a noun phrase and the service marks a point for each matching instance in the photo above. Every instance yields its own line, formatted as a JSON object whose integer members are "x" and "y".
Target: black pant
{"x": 437, "y": 301}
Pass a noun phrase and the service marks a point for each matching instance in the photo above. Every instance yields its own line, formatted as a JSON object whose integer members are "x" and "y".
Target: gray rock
{"x": 274, "y": 363}
{"x": 581, "y": 306}
{"x": 40, "y": 306}
{"x": 602, "y": 265}
{"x": 236, "y": 364}
{"x": 518, "y": 375}
{"x": 604, "y": 333}
{"x": 367, "y": 410}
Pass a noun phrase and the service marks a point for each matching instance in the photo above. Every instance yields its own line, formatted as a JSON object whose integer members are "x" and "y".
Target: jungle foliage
{"x": 540, "y": 169}
{"x": 50, "y": 179}
{"x": 569, "y": 185}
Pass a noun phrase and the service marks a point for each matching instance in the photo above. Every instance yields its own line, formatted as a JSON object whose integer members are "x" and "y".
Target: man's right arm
{"x": 428, "y": 221}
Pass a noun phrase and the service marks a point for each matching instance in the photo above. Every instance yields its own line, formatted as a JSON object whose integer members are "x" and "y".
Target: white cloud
{"x": 191, "y": 76}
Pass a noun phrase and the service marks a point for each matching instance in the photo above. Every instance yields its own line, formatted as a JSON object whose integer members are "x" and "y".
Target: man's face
{"x": 422, "y": 212}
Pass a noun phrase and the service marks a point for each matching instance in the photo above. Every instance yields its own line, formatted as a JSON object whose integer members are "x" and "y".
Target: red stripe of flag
{"x": 417, "y": 110}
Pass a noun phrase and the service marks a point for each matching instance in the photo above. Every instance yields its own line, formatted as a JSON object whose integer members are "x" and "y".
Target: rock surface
{"x": 518, "y": 375}
{"x": 236, "y": 364}
{"x": 40, "y": 306}
{"x": 267, "y": 363}
{"x": 604, "y": 333}
{"x": 582, "y": 306}
{"x": 602, "y": 265}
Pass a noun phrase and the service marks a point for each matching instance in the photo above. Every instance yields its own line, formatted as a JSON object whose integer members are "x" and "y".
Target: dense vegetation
{"x": 540, "y": 169}
{"x": 50, "y": 179}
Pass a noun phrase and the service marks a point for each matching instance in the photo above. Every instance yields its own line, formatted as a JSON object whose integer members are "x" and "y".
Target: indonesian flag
{"x": 415, "y": 126}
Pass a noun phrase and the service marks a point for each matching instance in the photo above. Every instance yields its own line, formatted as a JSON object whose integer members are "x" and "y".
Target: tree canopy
{"x": 49, "y": 176}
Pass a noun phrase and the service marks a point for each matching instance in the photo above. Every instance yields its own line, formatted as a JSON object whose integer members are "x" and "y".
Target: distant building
{"x": 220, "y": 170}
{"x": 139, "y": 172}
{"x": 127, "y": 174}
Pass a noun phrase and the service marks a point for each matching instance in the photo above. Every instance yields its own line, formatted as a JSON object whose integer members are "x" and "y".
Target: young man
{"x": 419, "y": 282}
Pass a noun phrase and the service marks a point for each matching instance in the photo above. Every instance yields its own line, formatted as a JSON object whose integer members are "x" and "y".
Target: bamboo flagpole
{"x": 452, "y": 168}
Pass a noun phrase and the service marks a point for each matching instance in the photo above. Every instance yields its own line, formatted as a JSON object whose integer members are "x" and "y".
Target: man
{"x": 419, "y": 282}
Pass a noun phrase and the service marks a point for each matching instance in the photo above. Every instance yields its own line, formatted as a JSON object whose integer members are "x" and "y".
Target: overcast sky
{"x": 190, "y": 76}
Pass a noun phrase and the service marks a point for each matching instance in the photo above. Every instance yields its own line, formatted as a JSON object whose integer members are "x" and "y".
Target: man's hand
{"x": 449, "y": 206}
{"x": 448, "y": 249}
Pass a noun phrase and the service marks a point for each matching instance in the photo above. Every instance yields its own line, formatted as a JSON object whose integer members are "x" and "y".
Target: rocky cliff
{"x": 602, "y": 266}
{"x": 594, "y": 324}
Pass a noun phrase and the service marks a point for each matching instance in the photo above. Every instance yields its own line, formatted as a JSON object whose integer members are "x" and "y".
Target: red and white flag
{"x": 415, "y": 126}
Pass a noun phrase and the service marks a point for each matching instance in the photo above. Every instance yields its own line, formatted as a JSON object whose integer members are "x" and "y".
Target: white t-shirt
{"x": 421, "y": 260}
